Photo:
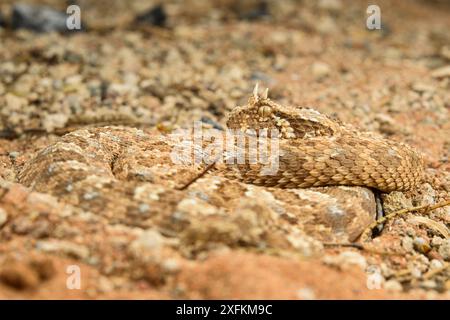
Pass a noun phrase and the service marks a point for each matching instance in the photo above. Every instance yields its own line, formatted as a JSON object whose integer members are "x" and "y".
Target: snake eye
{"x": 265, "y": 111}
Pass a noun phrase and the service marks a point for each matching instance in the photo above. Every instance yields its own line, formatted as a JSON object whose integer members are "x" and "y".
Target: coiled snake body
{"x": 93, "y": 168}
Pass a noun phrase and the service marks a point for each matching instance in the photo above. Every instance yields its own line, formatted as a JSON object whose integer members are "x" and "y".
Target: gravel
{"x": 38, "y": 18}
{"x": 444, "y": 250}
{"x": 156, "y": 16}
{"x": 3, "y": 217}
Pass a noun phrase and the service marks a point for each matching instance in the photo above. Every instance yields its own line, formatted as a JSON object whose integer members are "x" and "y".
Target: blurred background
{"x": 169, "y": 63}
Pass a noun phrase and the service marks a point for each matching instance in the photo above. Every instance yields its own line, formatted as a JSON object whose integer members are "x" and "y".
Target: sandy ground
{"x": 198, "y": 63}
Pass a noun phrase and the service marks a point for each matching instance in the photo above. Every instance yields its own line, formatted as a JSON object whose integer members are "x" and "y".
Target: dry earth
{"x": 86, "y": 177}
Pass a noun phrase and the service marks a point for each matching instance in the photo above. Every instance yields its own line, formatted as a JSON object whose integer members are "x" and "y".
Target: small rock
{"x": 90, "y": 195}
{"x": 211, "y": 122}
{"x": 421, "y": 245}
{"x": 171, "y": 266}
{"x": 261, "y": 76}
{"x": 190, "y": 205}
{"x": 410, "y": 232}
{"x": 38, "y": 18}
{"x": 153, "y": 274}
{"x": 2, "y": 21}
{"x": 445, "y": 52}
{"x": 144, "y": 208}
{"x": 386, "y": 270}
{"x": 436, "y": 241}
{"x": 13, "y": 154}
{"x": 3, "y": 217}
{"x": 305, "y": 245}
{"x": 320, "y": 70}
{"x": 326, "y": 25}
{"x": 14, "y": 103}
{"x": 260, "y": 11}
{"x": 408, "y": 244}
{"x": 155, "y": 16}
{"x": 387, "y": 124}
{"x": 441, "y": 72}
{"x": 105, "y": 285}
{"x": 433, "y": 254}
{"x": 54, "y": 121}
{"x": 346, "y": 259}
{"x": 422, "y": 87}
{"x": 429, "y": 284}
{"x": 330, "y": 5}
{"x": 393, "y": 285}
{"x": 436, "y": 264}
{"x": 416, "y": 273}
{"x": 429, "y": 195}
{"x": 147, "y": 246}
{"x": 444, "y": 250}
{"x": 306, "y": 294}
{"x": 68, "y": 248}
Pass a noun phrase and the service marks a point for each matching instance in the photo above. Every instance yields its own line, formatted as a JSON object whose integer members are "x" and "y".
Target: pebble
{"x": 436, "y": 241}
{"x": 13, "y": 154}
{"x": 393, "y": 285}
{"x": 386, "y": 271}
{"x": 2, "y": 21}
{"x": 416, "y": 273}
{"x": 14, "y": 103}
{"x": 346, "y": 258}
{"x": 261, "y": 76}
{"x": 436, "y": 264}
{"x": 320, "y": 70}
{"x": 260, "y": 11}
{"x": 330, "y": 5}
{"x": 38, "y": 18}
{"x": 188, "y": 205}
{"x": 306, "y": 294}
{"x": 444, "y": 250}
{"x": 144, "y": 208}
{"x": 3, "y": 217}
{"x": 90, "y": 195}
{"x": 171, "y": 266}
{"x": 155, "y": 16}
{"x": 441, "y": 72}
{"x": 211, "y": 122}
{"x": 408, "y": 244}
{"x": 445, "y": 52}
{"x": 53, "y": 121}
{"x": 429, "y": 195}
{"x": 326, "y": 25}
{"x": 306, "y": 246}
{"x": 433, "y": 254}
{"x": 387, "y": 124}
{"x": 421, "y": 245}
{"x": 411, "y": 232}
{"x": 68, "y": 248}
{"x": 422, "y": 87}
{"x": 428, "y": 284}
{"x": 149, "y": 240}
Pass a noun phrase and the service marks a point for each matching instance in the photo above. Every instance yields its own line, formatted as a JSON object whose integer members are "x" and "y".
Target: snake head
{"x": 262, "y": 113}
